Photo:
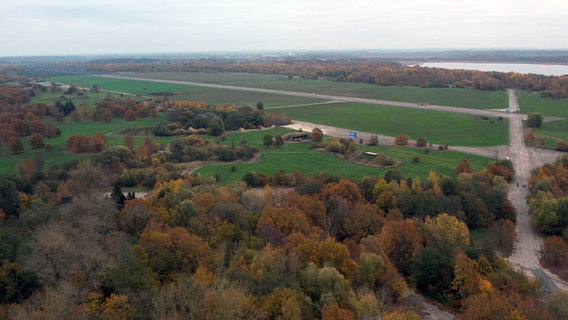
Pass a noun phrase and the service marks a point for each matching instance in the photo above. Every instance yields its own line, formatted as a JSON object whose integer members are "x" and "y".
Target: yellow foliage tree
{"x": 445, "y": 230}
{"x": 434, "y": 180}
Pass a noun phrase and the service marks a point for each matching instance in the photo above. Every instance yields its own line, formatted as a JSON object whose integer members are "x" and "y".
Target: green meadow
{"x": 299, "y": 157}
{"x": 533, "y": 102}
{"x": 456, "y": 97}
{"x": 552, "y": 131}
{"x": 435, "y": 126}
{"x": 184, "y": 92}
{"x": 438, "y": 127}
{"x": 58, "y": 155}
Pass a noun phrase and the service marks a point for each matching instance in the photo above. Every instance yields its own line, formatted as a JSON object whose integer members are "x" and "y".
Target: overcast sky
{"x": 62, "y": 27}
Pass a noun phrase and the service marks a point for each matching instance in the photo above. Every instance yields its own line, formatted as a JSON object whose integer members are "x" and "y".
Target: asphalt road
{"x": 527, "y": 249}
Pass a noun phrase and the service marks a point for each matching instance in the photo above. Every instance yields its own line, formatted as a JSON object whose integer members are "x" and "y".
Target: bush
{"x": 421, "y": 142}
{"x": 401, "y": 140}
{"x": 384, "y": 160}
{"x": 251, "y": 179}
{"x": 373, "y": 140}
{"x": 227, "y": 154}
{"x": 535, "y": 120}
{"x": 317, "y": 134}
{"x": 36, "y": 141}
{"x": 416, "y": 159}
{"x": 333, "y": 146}
{"x": 561, "y": 145}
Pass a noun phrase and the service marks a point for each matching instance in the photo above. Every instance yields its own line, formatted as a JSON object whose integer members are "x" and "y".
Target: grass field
{"x": 300, "y": 157}
{"x": 442, "y": 96}
{"x": 552, "y": 131}
{"x": 58, "y": 154}
{"x": 532, "y": 102}
{"x": 437, "y": 127}
{"x": 184, "y": 92}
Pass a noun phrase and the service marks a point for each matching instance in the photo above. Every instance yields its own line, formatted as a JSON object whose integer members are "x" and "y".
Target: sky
{"x": 79, "y": 27}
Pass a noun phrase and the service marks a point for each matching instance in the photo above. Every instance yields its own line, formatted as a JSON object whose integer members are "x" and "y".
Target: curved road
{"x": 527, "y": 249}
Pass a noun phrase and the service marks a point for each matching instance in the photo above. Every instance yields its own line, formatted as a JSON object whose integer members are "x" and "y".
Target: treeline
{"x": 327, "y": 249}
{"x": 361, "y": 70}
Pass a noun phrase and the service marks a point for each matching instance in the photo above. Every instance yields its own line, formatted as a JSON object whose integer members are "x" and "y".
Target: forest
{"x": 79, "y": 241}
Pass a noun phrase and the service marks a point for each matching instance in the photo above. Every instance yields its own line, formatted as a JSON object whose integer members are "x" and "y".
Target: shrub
{"x": 416, "y": 159}
{"x": 561, "y": 145}
{"x": 535, "y": 120}
{"x": 36, "y": 141}
{"x": 421, "y": 142}
{"x": 373, "y": 140}
{"x": 317, "y": 134}
{"x": 401, "y": 140}
{"x": 384, "y": 160}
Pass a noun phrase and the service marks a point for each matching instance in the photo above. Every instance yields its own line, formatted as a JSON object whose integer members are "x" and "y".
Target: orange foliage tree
{"x": 401, "y": 240}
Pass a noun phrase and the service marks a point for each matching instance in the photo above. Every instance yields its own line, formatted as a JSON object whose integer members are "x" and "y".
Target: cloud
{"x": 99, "y": 26}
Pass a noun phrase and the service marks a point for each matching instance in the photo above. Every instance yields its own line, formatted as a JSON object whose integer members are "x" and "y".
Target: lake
{"x": 545, "y": 69}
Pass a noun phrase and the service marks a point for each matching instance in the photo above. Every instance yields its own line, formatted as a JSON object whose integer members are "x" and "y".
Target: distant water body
{"x": 545, "y": 69}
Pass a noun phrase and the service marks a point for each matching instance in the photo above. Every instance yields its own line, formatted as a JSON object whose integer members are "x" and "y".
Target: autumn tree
{"x": 287, "y": 304}
{"x": 130, "y": 115}
{"x": 463, "y": 166}
{"x": 36, "y": 141}
{"x": 128, "y": 140}
{"x": 466, "y": 280}
{"x": 401, "y": 241}
{"x": 335, "y": 312}
{"x": 506, "y": 235}
{"x": 317, "y": 134}
{"x": 203, "y": 297}
{"x": 275, "y": 224}
{"x": 529, "y": 136}
{"x": 15, "y": 145}
{"x": 345, "y": 190}
{"x": 401, "y": 140}
{"x": 172, "y": 250}
{"x": 446, "y": 231}
{"x": 555, "y": 251}
{"x": 557, "y": 303}
{"x": 421, "y": 142}
{"x": 77, "y": 116}
{"x": 364, "y": 220}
